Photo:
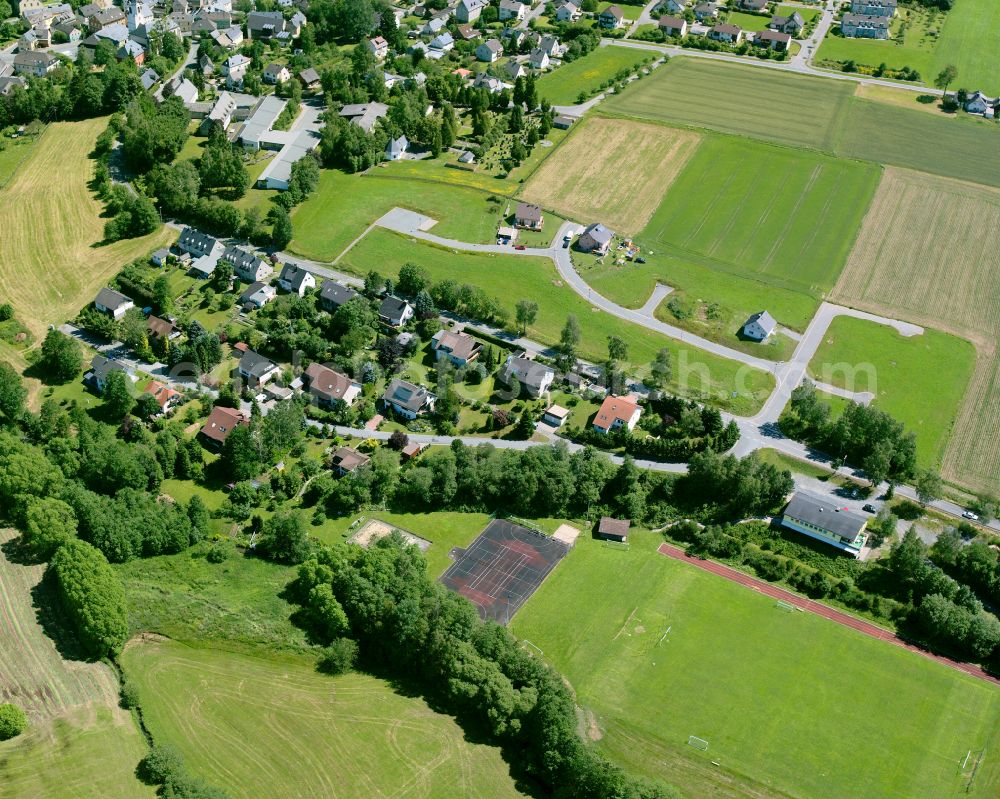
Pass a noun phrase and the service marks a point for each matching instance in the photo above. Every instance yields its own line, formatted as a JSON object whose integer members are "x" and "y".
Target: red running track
{"x": 827, "y": 612}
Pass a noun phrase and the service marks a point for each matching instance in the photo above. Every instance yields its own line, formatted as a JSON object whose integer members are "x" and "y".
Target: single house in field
{"x": 395, "y": 312}
{"x": 100, "y": 368}
{"x": 459, "y": 348}
{"x": 469, "y": 10}
{"x": 378, "y": 47}
{"x": 820, "y": 518}
{"x": 275, "y": 73}
{"x": 791, "y": 25}
{"x": 673, "y": 26}
{"x": 613, "y": 529}
{"x": 332, "y": 295}
{"x": 257, "y": 295}
{"x": 532, "y": 377}
{"x": 407, "y": 399}
{"x": 489, "y": 51}
{"x": 113, "y": 303}
{"x": 611, "y": 18}
{"x": 163, "y": 329}
{"x": 596, "y": 239}
{"x": 775, "y": 40}
{"x": 759, "y": 326}
{"x": 220, "y": 423}
{"x": 296, "y": 280}
{"x": 856, "y": 26}
{"x": 166, "y": 397}
{"x": 874, "y": 8}
{"x": 328, "y": 387}
{"x": 396, "y": 148}
{"x": 555, "y": 415}
{"x": 256, "y": 370}
{"x": 724, "y": 32}
{"x": 346, "y": 460}
{"x": 512, "y": 9}
{"x": 616, "y": 413}
{"x": 528, "y": 216}
{"x": 979, "y": 103}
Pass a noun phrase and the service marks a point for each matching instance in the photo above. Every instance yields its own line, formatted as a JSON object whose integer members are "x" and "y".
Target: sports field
{"x": 926, "y": 254}
{"x": 273, "y": 727}
{"x": 612, "y": 170}
{"x": 79, "y": 743}
{"x": 511, "y": 278}
{"x": 790, "y": 704}
{"x": 562, "y": 85}
{"x": 921, "y": 380}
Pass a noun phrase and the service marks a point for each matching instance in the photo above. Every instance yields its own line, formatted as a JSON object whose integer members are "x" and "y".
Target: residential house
{"x": 514, "y": 69}
{"x": 512, "y": 9}
{"x": 221, "y": 112}
{"x": 309, "y": 78}
{"x": 550, "y": 46}
{"x": 611, "y": 18}
{"x": 469, "y": 10}
{"x": 378, "y": 47}
{"x": 204, "y": 249}
{"x": 775, "y": 40}
{"x": 396, "y": 148}
{"x": 676, "y": 6}
{"x": 459, "y": 348}
{"x": 673, "y": 26}
{"x": 296, "y": 280}
{"x": 874, "y": 8}
{"x": 411, "y": 451}
{"x": 407, "y": 399}
{"x": 395, "y": 312}
{"x": 756, "y": 6}
{"x": 35, "y": 39}
{"x": 35, "y": 63}
{"x": 248, "y": 266}
{"x": 132, "y": 50}
{"x": 347, "y": 460}
{"x": 332, "y": 295}
{"x": 275, "y": 73}
{"x": 434, "y": 26}
{"x": 488, "y": 82}
{"x": 149, "y": 78}
{"x": 563, "y": 122}
{"x": 235, "y": 69}
{"x": 610, "y": 529}
{"x": 165, "y": 397}
{"x": 515, "y": 38}
{"x": 791, "y": 25}
{"x": 596, "y": 239}
{"x": 759, "y": 326}
{"x": 616, "y": 413}
{"x": 555, "y": 415}
{"x": 467, "y": 33}
{"x": 856, "y": 26}
{"x": 706, "y": 11}
{"x": 822, "y": 519}
{"x": 163, "y": 329}
{"x": 979, "y": 103}
{"x": 328, "y": 387}
{"x": 528, "y": 216}
{"x": 724, "y": 32}
{"x": 160, "y": 257}
{"x": 567, "y": 12}
{"x": 220, "y": 423}
{"x": 113, "y": 303}
{"x": 181, "y": 88}
{"x": 206, "y": 65}
{"x": 100, "y": 369}
{"x": 227, "y": 38}
{"x": 256, "y": 369}
{"x": 257, "y": 295}
{"x": 489, "y": 51}
{"x": 264, "y": 24}
{"x": 364, "y": 115}
{"x": 538, "y": 59}
{"x": 106, "y": 18}
{"x": 533, "y": 378}
{"x": 443, "y": 42}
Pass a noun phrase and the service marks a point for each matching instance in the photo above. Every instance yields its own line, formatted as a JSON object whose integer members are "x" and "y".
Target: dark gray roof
{"x": 193, "y": 239}
{"x": 406, "y": 395}
{"x": 255, "y": 364}
{"x": 110, "y": 298}
{"x": 823, "y": 512}
{"x": 865, "y": 21}
{"x": 102, "y": 367}
{"x": 392, "y": 308}
{"x": 530, "y": 373}
{"x": 335, "y": 294}
{"x": 294, "y": 275}
{"x": 765, "y": 320}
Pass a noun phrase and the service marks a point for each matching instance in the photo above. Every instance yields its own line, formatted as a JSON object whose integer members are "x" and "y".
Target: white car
{"x": 970, "y": 515}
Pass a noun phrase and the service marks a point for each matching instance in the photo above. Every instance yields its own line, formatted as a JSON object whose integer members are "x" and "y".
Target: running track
{"x": 827, "y": 612}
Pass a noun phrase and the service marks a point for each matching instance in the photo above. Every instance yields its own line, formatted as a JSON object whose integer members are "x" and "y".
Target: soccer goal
{"x": 788, "y": 607}
{"x": 698, "y": 743}
{"x": 624, "y": 545}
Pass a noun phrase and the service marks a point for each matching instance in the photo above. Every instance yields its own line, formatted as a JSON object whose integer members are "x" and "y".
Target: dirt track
{"x": 827, "y": 612}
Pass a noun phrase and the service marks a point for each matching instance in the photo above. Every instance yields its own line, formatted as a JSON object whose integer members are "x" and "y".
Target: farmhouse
{"x": 346, "y": 460}
{"x": 459, "y": 348}
{"x": 407, "y": 399}
{"x": 257, "y": 295}
{"x": 528, "y": 216}
{"x": 596, "y": 239}
{"x": 489, "y": 51}
{"x": 874, "y": 8}
{"x": 724, "y": 32}
{"x": 220, "y": 423}
{"x": 165, "y": 396}
{"x": 100, "y": 369}
{"x": 864, "y": 27}
{"x": 616, "y": 413}
{"x": 759, "y": 326}
{"x": 613, "y": 529}
{"x": 256, "y": 369}
{"x": 332, "y": 295}
{"x": 817, "y": 517}
{"x": 395, "y": 312}
{"x": 527, "y": 375}
{"x": 328, "y": 387}
{"x": 979, "y": 103}
{"x": 611, "y": 18}
{"x": 296, "y": 280}
{"x": 776, "y": 40}
{"x": 113, "y": 303}
{"x": 673, "y": 26}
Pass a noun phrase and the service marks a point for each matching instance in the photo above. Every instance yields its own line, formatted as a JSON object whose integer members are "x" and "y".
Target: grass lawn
{"x": 14, "y": 153}
{"x": 920, "y": 380}
{"x": 749, "y": 22}
{"x": 806, "y": 13}
{"x": 970, "y": 40}
{"x": 586, "y": 74}
{"x": 266, "y": 727}
{"x": 789, "y": 109}
{"x": 511, "y": 278}
{"x": 917, "y": 49}
{"x": 659, "y": 650}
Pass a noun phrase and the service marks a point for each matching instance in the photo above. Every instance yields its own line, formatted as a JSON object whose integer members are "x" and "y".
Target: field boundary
{"x": 818, "y": 608}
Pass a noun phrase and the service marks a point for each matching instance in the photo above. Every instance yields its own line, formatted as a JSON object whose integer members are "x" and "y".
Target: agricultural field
{"x": 79, "y": 743}
{"x": 586, "y": 74}
{"x": 613, "y": 170}
{"x": 513, "y": 278}
{"x": 920, "y": 380}
{"x": 970, "y": 40}
{"x": 669, "y": 651}
{"x": 259, "y": 726}
{"x": 925, "y": 254}
{"x": 775, "y": 106}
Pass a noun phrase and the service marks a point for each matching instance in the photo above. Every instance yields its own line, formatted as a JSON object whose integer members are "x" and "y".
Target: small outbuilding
{"x": 613, "y": 529}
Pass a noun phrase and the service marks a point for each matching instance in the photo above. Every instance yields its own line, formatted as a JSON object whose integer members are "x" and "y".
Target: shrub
{"x": 12, "y": 721}
{"x": 339, "y": 657}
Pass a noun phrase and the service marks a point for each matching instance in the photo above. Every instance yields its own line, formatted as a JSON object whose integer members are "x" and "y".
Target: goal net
{"x": 785, "y": 606}
{"x": 698, "y": 743}
{"x": 617, "y": 545}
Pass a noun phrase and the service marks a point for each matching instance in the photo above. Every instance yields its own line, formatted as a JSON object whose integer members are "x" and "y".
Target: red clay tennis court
{"x": 502, "y": 568}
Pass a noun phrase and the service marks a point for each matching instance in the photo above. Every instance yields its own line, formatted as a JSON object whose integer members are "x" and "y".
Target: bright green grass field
{"x": 920, "y": 380}
{"x": 562, "y": 85}
{"x": 511, "y": 278}
{"x": 971, "y": 40}
{"x": 749, "y": 22}
{"x": 776, "y": 106}
{"x": 806, "y": 13}
{"x": 264, "y": 727}
{"x": 791, "y": 701}
{"x": 916, "y": 51}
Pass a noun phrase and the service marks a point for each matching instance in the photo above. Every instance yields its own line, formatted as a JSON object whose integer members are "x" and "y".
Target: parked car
{"x": 520, "y": 247}
{"x": 640, "y": 260}
{"x": 869, "y": 508}
{"x": 970, "y": 515}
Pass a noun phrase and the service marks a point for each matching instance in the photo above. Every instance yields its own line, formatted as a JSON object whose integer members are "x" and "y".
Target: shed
{"x": 613, "y": 529}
